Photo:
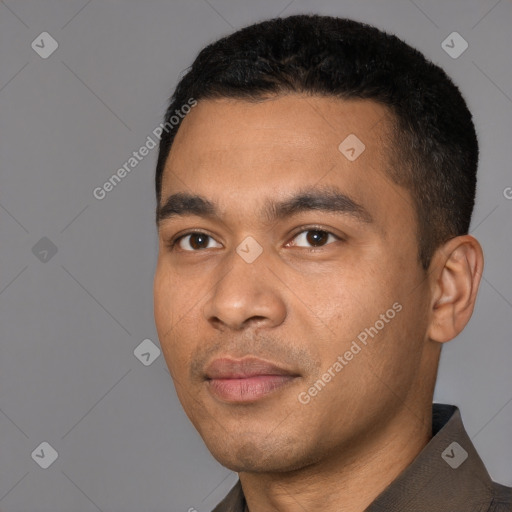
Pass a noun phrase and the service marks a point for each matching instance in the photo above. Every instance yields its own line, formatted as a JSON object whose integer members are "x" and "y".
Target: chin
{"x": 262, "y": 455}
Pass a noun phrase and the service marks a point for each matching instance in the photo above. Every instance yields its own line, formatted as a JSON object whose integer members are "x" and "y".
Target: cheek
{"x": 345, "y": 299}
{"x": 174, "y": 298}
{"x": 170, "y": 307}
{"x": 162, "y": 297}
{"x": 359, "y": 307}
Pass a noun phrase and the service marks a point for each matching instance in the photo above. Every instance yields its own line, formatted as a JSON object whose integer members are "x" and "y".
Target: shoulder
{"x": 502, "y": 500}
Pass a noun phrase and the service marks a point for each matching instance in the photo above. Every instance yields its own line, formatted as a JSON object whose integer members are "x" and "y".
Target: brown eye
{"x": 195, "y": 241}
{"x": 314, "y": 237}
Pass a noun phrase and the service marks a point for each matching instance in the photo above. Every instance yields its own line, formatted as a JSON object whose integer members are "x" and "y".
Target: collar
{"x": 446, "y": 476}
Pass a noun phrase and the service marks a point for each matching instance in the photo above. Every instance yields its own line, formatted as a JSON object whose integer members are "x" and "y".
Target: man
{"x": 313, "y": 205}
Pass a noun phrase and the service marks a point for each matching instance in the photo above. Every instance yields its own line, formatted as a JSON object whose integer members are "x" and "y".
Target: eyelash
{"x": 304, "y": 229}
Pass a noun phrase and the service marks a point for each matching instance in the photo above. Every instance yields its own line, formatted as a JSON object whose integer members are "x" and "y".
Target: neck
{"x": 350, "y": 479}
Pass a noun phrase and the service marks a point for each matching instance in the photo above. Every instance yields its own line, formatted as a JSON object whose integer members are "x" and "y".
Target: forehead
{"x": 231, "y": 148}
{"x": 315, "y": 114}
{"x": 282, "y": 131}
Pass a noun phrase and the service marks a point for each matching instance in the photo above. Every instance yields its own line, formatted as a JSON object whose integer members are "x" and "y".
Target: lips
{"x": 245, "y": 380}
{"x": 226, "y": 368}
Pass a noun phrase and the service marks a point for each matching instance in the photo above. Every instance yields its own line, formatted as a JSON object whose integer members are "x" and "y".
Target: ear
{"x": 455, "y": 272}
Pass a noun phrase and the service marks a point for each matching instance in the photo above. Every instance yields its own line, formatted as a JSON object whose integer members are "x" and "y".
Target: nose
{"x": 247, "y": 294}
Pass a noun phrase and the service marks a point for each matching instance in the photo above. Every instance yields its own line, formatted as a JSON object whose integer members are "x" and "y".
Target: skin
{"x": 300, "y": 306}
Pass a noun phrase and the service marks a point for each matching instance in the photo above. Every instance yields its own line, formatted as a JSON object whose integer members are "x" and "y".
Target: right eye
{"x": 194, "y": 240}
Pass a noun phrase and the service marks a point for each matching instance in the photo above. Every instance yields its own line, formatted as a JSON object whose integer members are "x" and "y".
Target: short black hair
{"x": 435, "y": 153}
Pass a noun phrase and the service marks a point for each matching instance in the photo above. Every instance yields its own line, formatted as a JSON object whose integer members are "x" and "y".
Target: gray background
{"x": 71, "y": 321}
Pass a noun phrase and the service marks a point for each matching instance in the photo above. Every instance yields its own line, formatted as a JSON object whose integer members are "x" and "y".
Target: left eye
{"x": 315, "y": 237}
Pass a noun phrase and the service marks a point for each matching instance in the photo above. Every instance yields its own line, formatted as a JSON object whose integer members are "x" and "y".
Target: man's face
{"x": 301, "y": 292}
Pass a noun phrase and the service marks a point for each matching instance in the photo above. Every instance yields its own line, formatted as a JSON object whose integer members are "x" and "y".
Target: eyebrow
{"x": 327, "y": 199}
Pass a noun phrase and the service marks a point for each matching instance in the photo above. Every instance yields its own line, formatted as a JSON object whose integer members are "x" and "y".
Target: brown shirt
{"x": 446, "y": 476}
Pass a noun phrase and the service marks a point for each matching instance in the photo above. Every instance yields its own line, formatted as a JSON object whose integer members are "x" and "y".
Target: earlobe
{"x": 457, "y": 270}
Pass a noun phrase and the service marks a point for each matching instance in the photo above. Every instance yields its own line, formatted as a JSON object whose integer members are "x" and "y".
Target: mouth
{"x": 245, "y": 380}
